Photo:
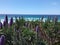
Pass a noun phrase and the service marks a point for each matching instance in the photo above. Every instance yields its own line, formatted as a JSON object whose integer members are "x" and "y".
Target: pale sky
{"x": 29, "y": 6}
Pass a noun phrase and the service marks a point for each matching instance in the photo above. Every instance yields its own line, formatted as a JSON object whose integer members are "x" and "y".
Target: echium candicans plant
{"x": 36, "y": 28}
{"x": 15, "y": 36}
{"x": 0, "y": 25}
{"x": 17, "y": 23}
{"x": 17, "y": 33}
{"x": 6, "y": 19}
{"x": 2, "y": 40}
{"x": 4, "y": 23}
{"x": 49, "y": 18}
{"x": 55, "y": 19}
{"x": 26, "y": 24}
{"x": 21, "y": 21}
{"x": 11, "y": 21}
{"x": 42, "y": 18}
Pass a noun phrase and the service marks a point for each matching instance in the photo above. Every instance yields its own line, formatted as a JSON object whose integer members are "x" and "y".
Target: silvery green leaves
{"x": 29, "y": 35}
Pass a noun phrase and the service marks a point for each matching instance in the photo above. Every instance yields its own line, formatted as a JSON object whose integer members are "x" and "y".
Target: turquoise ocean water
{"x": 29, "y": 17}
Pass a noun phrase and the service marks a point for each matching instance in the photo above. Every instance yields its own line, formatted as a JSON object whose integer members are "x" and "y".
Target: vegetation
{"x": 23, "y": 32}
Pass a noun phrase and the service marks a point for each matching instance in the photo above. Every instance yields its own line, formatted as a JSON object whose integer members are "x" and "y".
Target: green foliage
{"x": 28, "y": 35}
{"x": 45, "y": 25}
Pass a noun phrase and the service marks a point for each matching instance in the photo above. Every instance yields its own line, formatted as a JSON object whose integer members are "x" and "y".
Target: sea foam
{"x": 27, "y": 19}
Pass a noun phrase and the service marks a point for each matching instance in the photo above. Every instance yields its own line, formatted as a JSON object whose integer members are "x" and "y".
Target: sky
{"x": 29, "y": 6}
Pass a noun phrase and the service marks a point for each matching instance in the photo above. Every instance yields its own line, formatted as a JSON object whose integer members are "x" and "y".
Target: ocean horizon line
{"x": 30, "y": 14}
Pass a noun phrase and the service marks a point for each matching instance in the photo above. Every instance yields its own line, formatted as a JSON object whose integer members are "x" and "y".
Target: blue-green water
{"x": 27, "y": 16}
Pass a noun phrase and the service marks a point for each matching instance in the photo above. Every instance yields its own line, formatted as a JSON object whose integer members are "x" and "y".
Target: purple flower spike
{"x": 36, "y": 28}
{"x": 11, "y": 21}
{"x": 4, "y": 23}
{"x": 6, "y": 19}
{"x": 2, "y": 40}
{"x": 0, "y": 25}
{"x": 55, "y": 19}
